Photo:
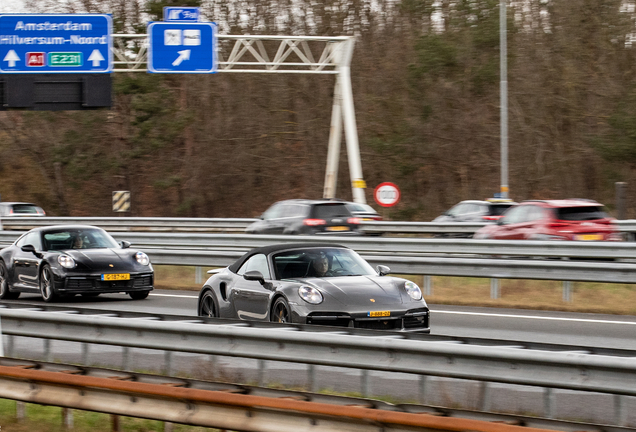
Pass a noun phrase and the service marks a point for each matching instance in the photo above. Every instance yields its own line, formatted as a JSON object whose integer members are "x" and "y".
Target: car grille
{"x": 413, "y": 319}
{"x": 95, "y": 283}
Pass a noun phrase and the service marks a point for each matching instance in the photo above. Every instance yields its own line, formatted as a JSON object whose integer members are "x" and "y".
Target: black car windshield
{"x": 83, "y": 238}
{"x": 25, "y": 209}
{"x": 320, "y": 262}
{"x": 580, "y": 213}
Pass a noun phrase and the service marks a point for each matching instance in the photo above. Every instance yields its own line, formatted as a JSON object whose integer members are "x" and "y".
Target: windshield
{"x": 580, "y": 213}
{"x": 89, "y": 238}
{"x": 25, "y": 209}
{"x": 320, "y": 262}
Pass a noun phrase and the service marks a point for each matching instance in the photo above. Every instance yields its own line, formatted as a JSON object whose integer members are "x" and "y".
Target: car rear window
{"x": 326, "y": 211}
{"x": 25, "y": 209}
{"x": 580, "y": 213}
{"x": 498, "y": 209}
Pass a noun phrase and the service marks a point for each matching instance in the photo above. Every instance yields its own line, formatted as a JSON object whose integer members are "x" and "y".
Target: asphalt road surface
{"x": 611, "y": 331}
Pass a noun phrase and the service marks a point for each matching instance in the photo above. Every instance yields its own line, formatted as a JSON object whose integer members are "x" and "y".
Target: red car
{"x": 568, "y": 219}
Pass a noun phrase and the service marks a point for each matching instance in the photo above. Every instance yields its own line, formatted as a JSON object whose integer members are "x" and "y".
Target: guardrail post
{"x": 428, "y": 285}
{"x": 422, "y": 390}
{"x": 67, "y": 418}
{"x": 85, "y": 353}
{"x": 125, "y": 360}
{"x": 198, "y": 275}
{"x": 620, "y": 414}
{"x": 364, "y": 382}
{"x": 494, "y": 288}
{"x": 10, "y": 345}
{"x": 167, "y": 427}
{"x": 548, "y": 403}
{"x": 20, "y": 410}
{"x": 621, "y": 187}
{"x": 114, "y": 423}
{"x": 167, "y": 362}
{"x": 311, "y": 378}
{"x": 484, "y": 396}
{"x": 567, "y": 291}
{"x": 47, "y": 350}
{"x": 261, "y": 372}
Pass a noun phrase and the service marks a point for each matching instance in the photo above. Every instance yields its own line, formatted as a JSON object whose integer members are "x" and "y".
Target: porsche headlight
{"x": 66, "y": 261}
{"x": 413, "y": 290}
{"x": 310, "y": 294}
{"x": 142, "y": 258}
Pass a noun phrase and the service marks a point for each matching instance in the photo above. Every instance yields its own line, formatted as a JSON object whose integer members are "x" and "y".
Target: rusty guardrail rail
{"x": 241, "y": 408}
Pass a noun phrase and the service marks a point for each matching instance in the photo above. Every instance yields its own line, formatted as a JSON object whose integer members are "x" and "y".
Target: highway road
{"x": 609, "y": 331}
{"x": 592, "y": 330}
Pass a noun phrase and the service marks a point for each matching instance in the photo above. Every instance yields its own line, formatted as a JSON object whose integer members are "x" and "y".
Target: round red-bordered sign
{"x": 387, "y": 194}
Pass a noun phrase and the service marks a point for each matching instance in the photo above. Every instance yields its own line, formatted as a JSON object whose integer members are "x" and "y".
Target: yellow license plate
{"x": 589, "y": 237}
{"x": 376, "y": 314}
{"x": 338, "y": 228}
{"x": 116, "y": 277}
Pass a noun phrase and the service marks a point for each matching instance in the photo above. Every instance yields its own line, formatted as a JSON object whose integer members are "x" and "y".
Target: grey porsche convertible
{"x": 61, "y": 261}
{"x": 314, "y": 283}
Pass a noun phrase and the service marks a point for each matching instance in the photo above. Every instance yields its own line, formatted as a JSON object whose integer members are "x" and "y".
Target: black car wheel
{"x": 46, "y": 285}
{"x": 4, "y": 284}
{"x": 280, "y": 311}
{"x": 138, "y": 295}
{"x": 207, "y": 307}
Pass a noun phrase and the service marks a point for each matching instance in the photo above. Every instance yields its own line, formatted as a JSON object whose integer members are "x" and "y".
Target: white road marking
{"x": 174, "y": 295}
{"x": 595, "y": 321}
{"x": 492, "y": 315}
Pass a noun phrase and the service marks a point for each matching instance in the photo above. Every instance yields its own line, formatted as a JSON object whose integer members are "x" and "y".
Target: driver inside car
{"x": 319, "y": 265}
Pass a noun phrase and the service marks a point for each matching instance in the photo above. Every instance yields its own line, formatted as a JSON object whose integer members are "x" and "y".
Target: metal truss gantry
{"x": 282, "y": 54}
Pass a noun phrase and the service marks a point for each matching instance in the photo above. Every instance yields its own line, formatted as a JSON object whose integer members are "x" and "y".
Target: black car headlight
{"x": 310, "y": 294}
{"x": 142, "y": 258}
{"x": 413, "y": 290}
{"x": 66, "y": 261}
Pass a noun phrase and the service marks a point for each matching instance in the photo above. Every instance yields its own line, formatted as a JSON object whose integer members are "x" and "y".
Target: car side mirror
{"x": 125, "y": 244}
{"x": 383, "y": 270}
{"x": 31, "y": 248}
{"x": 28, "y": 248}
{"x": 254, "y": 275}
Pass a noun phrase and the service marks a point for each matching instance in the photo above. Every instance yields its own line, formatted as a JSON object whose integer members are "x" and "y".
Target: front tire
{"x": 280, "y": 311}
{"x": 138, "y": 295}
{"x": 5, "y": 294}
{"x": 46, "y": 284}
{"x": 207, "y": 306}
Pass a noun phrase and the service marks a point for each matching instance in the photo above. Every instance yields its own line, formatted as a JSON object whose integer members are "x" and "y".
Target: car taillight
{"x": 353, "y": 221}
{"x": 314, "y": 222}
{"x": 490, "y": 218}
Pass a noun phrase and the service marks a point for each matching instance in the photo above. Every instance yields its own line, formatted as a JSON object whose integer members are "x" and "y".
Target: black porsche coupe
{"x": 314, "y": 283}
{"x": 64, "y": 260}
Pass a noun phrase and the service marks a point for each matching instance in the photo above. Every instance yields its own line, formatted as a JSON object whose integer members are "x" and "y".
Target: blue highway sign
{"x": 182, "y": 47}
{"x": 56, "y": 43}
{"x": 181, "y": 14}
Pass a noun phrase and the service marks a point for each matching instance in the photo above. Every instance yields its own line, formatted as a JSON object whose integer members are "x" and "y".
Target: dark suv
{"x": 299, "y": 216}
{"x": 568, "y": 219}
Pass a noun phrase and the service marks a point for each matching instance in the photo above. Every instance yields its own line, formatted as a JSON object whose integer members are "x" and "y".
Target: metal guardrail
{"x": 239, "y": 224}
{"x": 609, "y": 371}
{"x": 379, "y": 351}
{"x": 227, "y": 406}
{"x": 410, "y": 256}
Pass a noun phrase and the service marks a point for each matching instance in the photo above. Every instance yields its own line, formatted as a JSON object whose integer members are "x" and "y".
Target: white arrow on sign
{"x": 11, "y": 57}
{"x": 183, "y": 55}
{"x": 96, "y": 57}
